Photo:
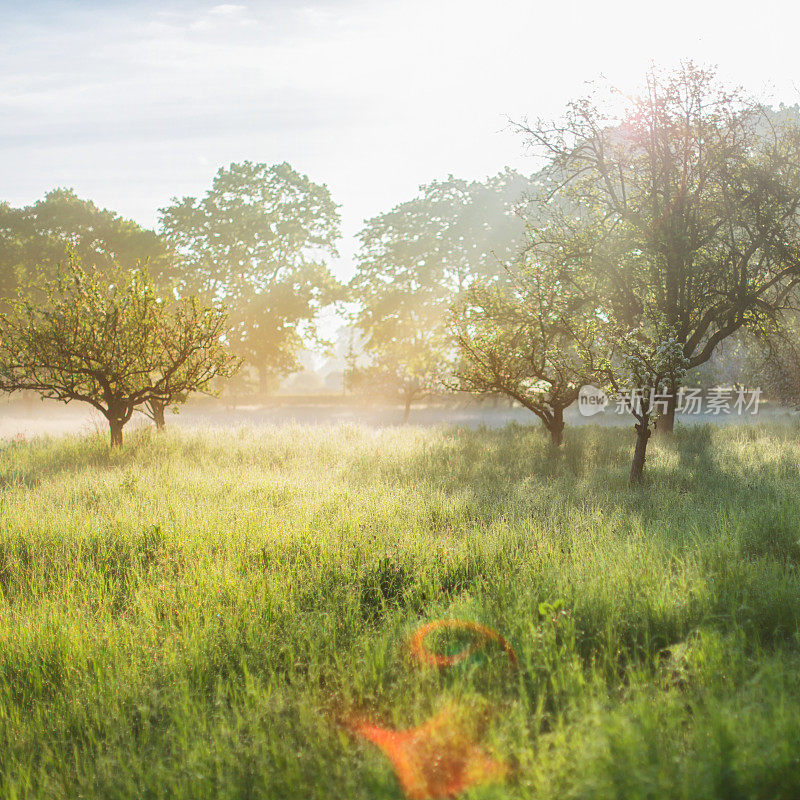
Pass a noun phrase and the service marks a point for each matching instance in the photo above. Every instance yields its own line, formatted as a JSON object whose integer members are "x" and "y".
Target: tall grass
{"x": 191, "y": 616}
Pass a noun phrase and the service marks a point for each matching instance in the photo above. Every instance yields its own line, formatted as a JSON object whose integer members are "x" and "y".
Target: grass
{"x": 191, "y": 617}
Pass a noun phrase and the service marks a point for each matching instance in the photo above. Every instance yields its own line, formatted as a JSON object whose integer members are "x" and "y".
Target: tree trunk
{"x": 407, "y": 410}
{"x": 556, "y": 428}
{"x": 665, "y": 424}
{"x": 116, "y": 426}
{"x": 157, "y": 409}
{"x": 642, "y": 436}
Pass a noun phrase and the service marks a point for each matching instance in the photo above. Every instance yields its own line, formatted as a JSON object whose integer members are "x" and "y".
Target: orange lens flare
{"x": 419, "y": 651}
{"x": 439, "y": 759}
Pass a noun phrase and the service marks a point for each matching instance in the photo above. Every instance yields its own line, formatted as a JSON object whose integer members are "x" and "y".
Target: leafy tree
{"x": 109, "y": 340}
{"x": 735, "y": 362}
{"x": 528, "y": 337}
{"x": 188, "y": 354}
{"x": 682, "y": 208}
{"x": 642, "y": 366}
{"x": 36, "y": 240}
{"x": 258, "y": 240}
{"x": 416, "y": 259}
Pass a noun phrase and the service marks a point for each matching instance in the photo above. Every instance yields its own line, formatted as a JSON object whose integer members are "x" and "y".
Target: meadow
{"x": 195, "y": 615}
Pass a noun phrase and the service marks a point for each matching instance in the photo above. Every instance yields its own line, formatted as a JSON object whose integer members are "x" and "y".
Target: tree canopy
{"x": 679, "y": 213}
{"x": 528, "y": 336}
{"x": 258, "y": 240}
{"x": 36, "y": 240}
{"x": 109, "y": 340}
{"x": 417, "y": 258}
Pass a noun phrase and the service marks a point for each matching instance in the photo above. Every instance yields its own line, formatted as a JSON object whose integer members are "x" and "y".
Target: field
{"x": 200, "y": 614}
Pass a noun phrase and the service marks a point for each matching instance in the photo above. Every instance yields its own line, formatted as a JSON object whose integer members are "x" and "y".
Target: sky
{"x": 134, "y": 103}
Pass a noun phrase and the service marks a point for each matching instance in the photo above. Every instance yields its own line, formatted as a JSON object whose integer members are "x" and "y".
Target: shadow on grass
{"x": 702, "y": 500}
{"x": 710, "y": 508}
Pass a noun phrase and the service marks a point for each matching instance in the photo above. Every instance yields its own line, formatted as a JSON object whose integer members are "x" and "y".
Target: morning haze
{"x": 399, "y": 400}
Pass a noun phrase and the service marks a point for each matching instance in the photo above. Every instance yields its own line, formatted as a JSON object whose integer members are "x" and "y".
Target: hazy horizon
{"x": 133, "y": 106}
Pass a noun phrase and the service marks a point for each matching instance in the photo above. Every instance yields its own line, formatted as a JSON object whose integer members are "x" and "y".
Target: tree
{"x": 735, "y": 362}
{"x": 188, "y": 354}
{"x": 643, "y": 365}
{"x": 37, "y": 239}
{"x": 683, "y": 206}
{"x": 410, "y": 369}
{"x": 772, "y": 359}
{"x": 109, "y": 340}
{"x": 416, "y": 259}
{"x": 528, "y": 337}
{"x": 697, "y": 187}
{"x": 258, "y": 240}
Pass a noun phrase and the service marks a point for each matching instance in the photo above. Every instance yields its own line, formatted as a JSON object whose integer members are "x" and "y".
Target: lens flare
{"x": 442, "y": 757}
{"x": 438, "y": 759}
{"x": 419, "y": 651}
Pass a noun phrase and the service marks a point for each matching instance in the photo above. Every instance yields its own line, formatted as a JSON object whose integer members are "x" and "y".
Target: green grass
{"x": 190, "y": 617}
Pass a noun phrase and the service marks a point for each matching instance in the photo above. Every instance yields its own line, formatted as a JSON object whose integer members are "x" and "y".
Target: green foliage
{"x": 772, "y": 359}
{"x": 527, "y": 335}
{"x": 644, "y": 360}
{"x": 192, "y": 615}
{"x": 111, "y": 341}
{"x": 416, "y": 260}
{"x": 683, "y": 206}
{"x": 737, "y": 361}
{"x": 35, "y": 241}
{"x": 258, "y": 240}
{"x": 407, "y": 369}
{"x": 679, "y": 214}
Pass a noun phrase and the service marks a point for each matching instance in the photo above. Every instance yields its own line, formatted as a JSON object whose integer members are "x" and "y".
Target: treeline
{"x": 662, "y": 230}
{"x": 657, "y": 246}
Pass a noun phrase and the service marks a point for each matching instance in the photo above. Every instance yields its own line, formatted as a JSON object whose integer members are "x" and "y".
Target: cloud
{"x": 224, "y": 14}
{"x": 227, "y": 9}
